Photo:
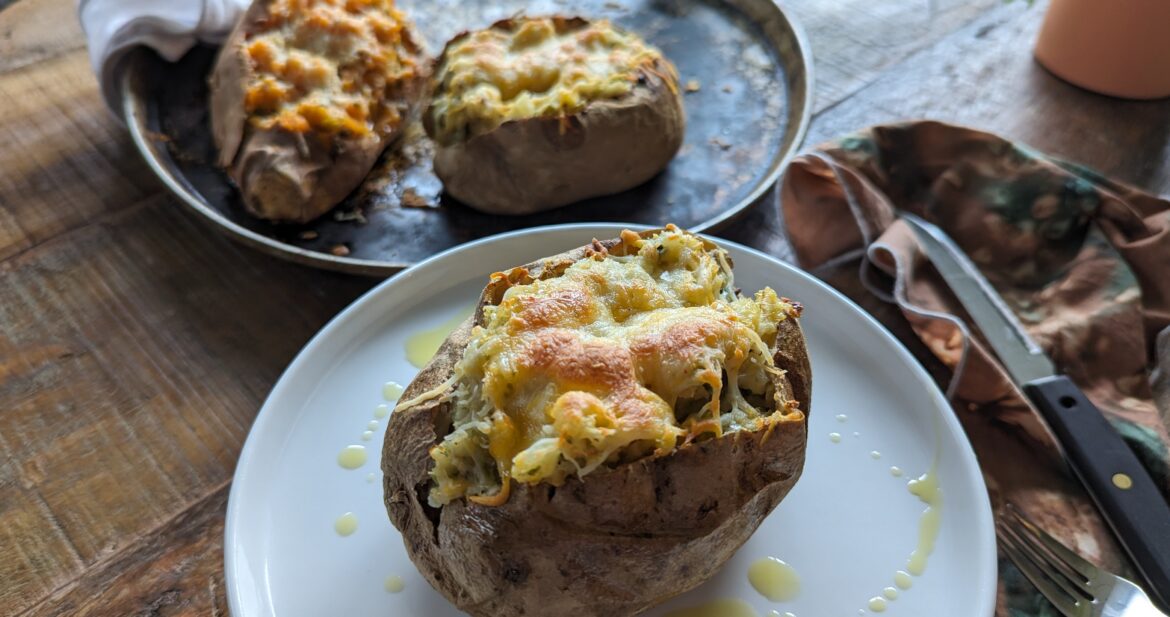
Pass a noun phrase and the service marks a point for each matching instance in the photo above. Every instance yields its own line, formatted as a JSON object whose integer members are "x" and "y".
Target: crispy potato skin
{"x": 614, "y": 543}
{"x": 535, "y": 164}
{"x": 285, "y": 176}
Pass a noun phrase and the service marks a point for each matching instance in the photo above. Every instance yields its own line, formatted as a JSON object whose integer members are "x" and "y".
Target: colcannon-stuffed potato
{"x": 602, "y": 434}
{"x": 306, "y": 94}
{"x": 538, "y": 112}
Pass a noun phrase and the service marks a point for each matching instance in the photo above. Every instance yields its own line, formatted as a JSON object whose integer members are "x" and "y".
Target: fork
{"x": 1074, "y": 586}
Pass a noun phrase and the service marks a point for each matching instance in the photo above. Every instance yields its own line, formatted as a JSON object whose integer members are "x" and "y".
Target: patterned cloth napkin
{"x": 1083, "y": 261}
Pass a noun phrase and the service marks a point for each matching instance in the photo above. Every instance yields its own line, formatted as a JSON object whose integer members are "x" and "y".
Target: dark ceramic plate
{"x": 748, "y": 115}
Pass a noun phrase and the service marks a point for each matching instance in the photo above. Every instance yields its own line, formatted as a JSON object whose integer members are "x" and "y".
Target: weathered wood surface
{"x": 136, "y": 345}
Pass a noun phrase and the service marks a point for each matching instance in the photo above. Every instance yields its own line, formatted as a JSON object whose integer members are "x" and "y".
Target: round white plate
{"x": 846, "y": 528}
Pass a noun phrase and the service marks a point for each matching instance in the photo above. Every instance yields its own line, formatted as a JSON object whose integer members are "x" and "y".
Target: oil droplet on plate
{"x": 875, "y": 455}
{"x": 926, "y": 489}
{"x": 394, "y": 584}
{"x": 370, "y": 477}
{"x": 421, "y": 347}
{"x": 391, "y": 390}
{"x": 835, "y": 437}
{"x": 774, "y": 579}
{"x": 877, "y": 605}
{"x": 367, "y": 435}
{"x": 856, "y": 433}
{"x": 842, "y": 417}
{"x": 383, "y": 410}
{"x": 372, "y": 425}
{"x": 896, "y": 472}
{"x": 352, "y": 457}
{"x": 345, "y": 524}
{"x": 718, "y": 608}
{"x": 890, "y": 593}
{"x": 903, "y": 580}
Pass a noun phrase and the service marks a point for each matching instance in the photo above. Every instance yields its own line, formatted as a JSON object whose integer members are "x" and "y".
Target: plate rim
{"x": 134, "y": 114}
{"x": 985, "y": 598}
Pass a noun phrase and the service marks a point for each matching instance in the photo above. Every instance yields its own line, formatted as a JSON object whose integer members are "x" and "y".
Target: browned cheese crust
{"x": 615, "y": 543}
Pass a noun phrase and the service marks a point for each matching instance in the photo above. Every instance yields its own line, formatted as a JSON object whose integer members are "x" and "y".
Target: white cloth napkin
{"x": 170, "y": 27}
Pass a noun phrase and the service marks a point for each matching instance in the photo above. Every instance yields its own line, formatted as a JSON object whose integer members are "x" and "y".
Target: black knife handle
{"x": 1122, "y": 488}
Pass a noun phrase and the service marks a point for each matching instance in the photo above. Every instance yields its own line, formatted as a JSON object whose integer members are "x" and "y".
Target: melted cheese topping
{"x": 535, "y": 67}
{"x": 617, "y": 358}
{"x": 330, "y": 66}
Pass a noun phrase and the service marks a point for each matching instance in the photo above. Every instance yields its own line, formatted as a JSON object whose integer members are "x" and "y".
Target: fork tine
{"x": 1032, "y": 571}
{"x": 1068, "y": 580}
{"x": 1074, "y": 561}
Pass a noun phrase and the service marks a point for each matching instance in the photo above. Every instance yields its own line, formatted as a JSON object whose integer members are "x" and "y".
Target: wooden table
{"x": 136, "y": 344}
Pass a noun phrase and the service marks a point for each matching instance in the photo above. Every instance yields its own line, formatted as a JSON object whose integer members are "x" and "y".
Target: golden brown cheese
{"x": 330, "y": 66}
{"x": 617, "y": 358}
{"x": 534, "y": 67}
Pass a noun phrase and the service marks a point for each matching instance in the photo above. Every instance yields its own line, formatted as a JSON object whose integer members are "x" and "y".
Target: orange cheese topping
{"x": 330, "y": 66}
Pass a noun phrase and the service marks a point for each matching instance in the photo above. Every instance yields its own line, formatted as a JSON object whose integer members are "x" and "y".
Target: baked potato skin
{"x": 285, "y": 176}
{"x": 616, "y": 543}
{"x": 535, "y": 164}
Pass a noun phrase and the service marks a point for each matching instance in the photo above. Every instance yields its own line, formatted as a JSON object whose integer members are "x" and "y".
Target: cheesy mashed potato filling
{"x": 620, "y": 357}
{"x": 329, "y": 66}
{"x": 534, "y": 67}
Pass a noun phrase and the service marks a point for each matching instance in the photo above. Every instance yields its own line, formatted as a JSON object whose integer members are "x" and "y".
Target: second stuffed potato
{"x": 538, "y": 112}
{"x": 306, "y": 96}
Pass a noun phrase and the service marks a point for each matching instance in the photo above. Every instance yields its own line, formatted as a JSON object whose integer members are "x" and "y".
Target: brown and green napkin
{"x": 1083, "y": 261}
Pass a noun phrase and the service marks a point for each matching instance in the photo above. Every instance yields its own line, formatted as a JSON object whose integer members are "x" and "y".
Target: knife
{"x": 1122, "y": 489}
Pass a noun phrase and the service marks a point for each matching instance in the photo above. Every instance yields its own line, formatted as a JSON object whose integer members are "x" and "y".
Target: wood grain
{"x": 136, "y": 344}
{"x": 855, "y": 40}
{"x": 130, "y": 369}
{"x": 176, "y": 571}
{"x": 36, "y": 30}
{"x": 65, "y": 161}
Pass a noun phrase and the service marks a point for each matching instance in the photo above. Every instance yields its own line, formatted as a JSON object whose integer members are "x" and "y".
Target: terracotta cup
{"x": 1115, "y": 47}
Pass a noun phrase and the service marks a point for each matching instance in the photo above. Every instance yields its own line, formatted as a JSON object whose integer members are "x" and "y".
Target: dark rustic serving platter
{"x": 748, "y": 104}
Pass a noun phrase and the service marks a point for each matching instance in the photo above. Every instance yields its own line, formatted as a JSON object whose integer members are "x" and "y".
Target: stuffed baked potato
{"x": 602, "y": 434}
{"x": 305, "y": 96}
{"x": 537, "y": 112}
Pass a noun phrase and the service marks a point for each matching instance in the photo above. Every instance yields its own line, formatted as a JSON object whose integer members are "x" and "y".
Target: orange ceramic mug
{"x": 1115, "y": 47}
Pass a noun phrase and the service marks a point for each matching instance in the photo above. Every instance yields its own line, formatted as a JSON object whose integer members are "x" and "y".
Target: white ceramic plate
{"x": 846, "y": 528}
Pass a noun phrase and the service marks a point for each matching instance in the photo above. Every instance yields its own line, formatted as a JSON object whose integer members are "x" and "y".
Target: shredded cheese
{"x": 618, "y": 357}
{"x": 535, "y": 67}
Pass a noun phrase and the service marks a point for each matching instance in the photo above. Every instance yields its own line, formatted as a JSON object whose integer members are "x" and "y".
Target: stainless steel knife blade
{"x": 1022, "y": 357}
